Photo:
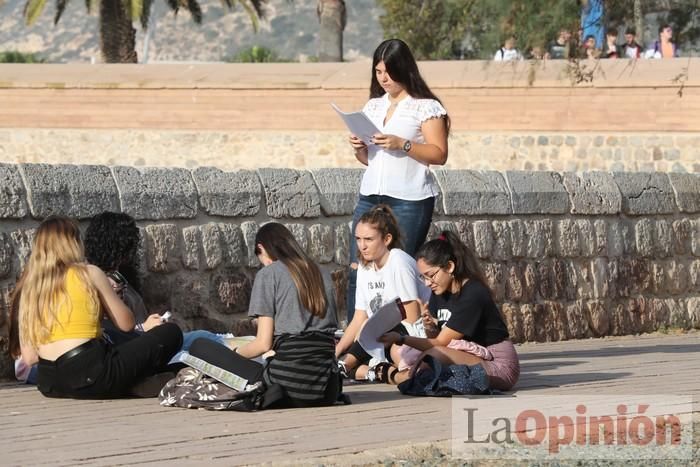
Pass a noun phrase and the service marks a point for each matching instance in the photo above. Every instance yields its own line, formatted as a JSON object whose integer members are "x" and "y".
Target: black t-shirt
{"x": 471, "y": 312}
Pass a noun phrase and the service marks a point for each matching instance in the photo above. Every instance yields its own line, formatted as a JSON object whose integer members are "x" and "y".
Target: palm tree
{"x": 116, "y": 17}
{"x": 332, "y": 15}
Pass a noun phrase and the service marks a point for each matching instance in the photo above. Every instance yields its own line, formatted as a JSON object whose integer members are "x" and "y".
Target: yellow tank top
{"x": 78, "y": 315}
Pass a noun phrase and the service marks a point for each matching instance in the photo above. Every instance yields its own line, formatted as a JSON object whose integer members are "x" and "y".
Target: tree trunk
{"x": 117, "y": 34}
{"x": 639, "y": 21}
{"x": 332, "y": 16}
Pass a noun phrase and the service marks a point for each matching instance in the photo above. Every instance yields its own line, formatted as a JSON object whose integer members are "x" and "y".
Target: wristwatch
{"x": 407, "y": 145}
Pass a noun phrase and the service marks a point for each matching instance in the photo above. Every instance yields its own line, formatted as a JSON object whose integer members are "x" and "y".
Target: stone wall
{"x": 567, "y": 255}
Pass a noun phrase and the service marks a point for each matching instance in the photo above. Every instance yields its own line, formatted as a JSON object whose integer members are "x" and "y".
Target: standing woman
{"x": 293, "y": 303}
{"x": 60, "y": 300}
{"x": 414, "y": 127}
{"x": 462, "y": 300}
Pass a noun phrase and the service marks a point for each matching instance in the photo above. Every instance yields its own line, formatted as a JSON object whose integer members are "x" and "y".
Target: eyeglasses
{"x": 430, "y": 277}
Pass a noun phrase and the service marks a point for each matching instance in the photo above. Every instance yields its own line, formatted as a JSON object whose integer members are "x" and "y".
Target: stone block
{"x": 6, "y": 255}
{"x": 600, "y": 228}
{"x": 513, "y": 320}
{"x": 249, "y": 229}
{"x": 528, "y": 314}
{"x": 156, "y": 193}
{"x": 13, "y": 196}
{"x": 694, "y": 273}
{"x": 593, "y": 193}
{"x": 465, "y": 231}
{"x": 644, "y": 236}
{"x": 495, "y": 278}
{"x": 342, "y": 244}
{"x": 663, "y": 238}
{"x": 694, "y": 312}
{"x": 658, "y": 278}
{"x": 645, "y": 193}
{"x": 514, "y": 284}
{"x": 601, "y": 280}
{"x": 686, "y": 188}
{"x": 232, "y": 288}
{"x": 191, "y": 247}
{"x": 483, "y": 239}
{"x": 586, "y": 237}
{"x": 321, "y": 243}
{"x": 162, "y": 248}
{"x": 538, "y": 193}
{"x": 78, "y": 191}
{"x": 518, "y": 244}
{"x": 469, "y": 192}
{"x": 540, "y": 238}
{"x": 501, "y": 236}
{"x": 230, "y": 194}
{"x": 695, "y": 238}
{"x": 677, "y": 314}
{"x": 300, "y": 233}
{"x": 576, "y": 320}
{"x": 211, "y": 245}
{"x": 568, "y": 238}
{"x": 529, "y": 283}
{"x": 598, "y": 317}
{"x": 290, "y": 193}
{"x": 677, "y": 277}
{"x": 22, "y": 240}
{"x": 682, "y": 229}
{"x": 338, "y": 189}
{"x": 233, "y": 245}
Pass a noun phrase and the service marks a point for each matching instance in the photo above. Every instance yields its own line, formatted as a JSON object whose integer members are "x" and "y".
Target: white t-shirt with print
{"x": 398, "y": 278}
{"x": 393, "y": 172}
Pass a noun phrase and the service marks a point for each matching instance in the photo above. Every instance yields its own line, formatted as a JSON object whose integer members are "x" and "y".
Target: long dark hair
{"x": 448, "y": 247}
{"x": 382, "y": 219}
{"x": 111, "y": 243}
{"x": 280, "y": 245}
{"x": 402, "y": 68}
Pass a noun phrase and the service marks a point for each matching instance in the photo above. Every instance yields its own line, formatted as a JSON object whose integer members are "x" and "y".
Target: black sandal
{"x": 384, "y": 374}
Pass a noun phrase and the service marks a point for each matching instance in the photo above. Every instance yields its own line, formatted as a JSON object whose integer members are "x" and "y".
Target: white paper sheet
{"x": 358, "y": 124}
{"x": 382, "y": 321}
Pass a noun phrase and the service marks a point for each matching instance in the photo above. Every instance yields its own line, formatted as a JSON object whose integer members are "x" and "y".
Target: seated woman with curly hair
{"x": 111, "y": 243}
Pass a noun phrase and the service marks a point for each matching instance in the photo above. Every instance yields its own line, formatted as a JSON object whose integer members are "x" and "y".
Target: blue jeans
{"x": 414, "y": 219}
{"x": 190, "y": 336}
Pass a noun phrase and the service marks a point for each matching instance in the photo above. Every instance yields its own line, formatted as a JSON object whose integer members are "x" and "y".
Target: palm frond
{"x": 32, "y": 10}
{"x": 195, "y": 11}
{"x": 135, "y": 9}
{"x": 60, "y": 8}
{"x": 145, "y": 13}
{"x": 174, "y": 5}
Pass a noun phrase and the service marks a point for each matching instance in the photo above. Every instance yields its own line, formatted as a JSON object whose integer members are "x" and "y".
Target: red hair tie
{"x": 442, "y": 237}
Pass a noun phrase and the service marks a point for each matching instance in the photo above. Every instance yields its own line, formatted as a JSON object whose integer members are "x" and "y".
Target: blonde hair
{"x": 41, "y": 290}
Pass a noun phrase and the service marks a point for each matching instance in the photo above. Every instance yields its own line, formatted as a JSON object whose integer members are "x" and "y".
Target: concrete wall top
{"x": 350, "y": 75}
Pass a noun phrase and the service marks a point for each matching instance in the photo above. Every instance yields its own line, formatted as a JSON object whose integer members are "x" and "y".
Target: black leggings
{"x": 104, "y": 371}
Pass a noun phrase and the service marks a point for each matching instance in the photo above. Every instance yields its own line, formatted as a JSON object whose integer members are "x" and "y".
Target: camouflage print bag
{"x": 192, "y": 389}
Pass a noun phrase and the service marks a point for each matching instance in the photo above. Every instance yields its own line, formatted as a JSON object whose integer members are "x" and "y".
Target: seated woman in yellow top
{"x": 59, "y": 301}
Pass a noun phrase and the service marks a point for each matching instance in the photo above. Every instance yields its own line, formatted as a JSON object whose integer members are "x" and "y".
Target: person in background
{"x": 508, "y": 52}
{"x": 610, "y": 48}
{"x": 589, "y": 50}
{"x": 413, "y": 127}
{"x": 631, "y": 48}
{"x": 664, "y": 47}
{"x": 561, "y": 47}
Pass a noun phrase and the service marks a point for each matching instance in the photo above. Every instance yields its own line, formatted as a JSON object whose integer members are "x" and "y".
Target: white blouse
{"x": 393, "y": 172}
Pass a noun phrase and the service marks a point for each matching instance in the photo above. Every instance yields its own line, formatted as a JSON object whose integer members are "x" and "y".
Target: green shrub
{"x": 256, "y": 54}
{"x": 12, "y": 56}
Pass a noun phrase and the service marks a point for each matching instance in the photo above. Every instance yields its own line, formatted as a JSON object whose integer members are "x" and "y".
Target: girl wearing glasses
{"x": 385, "y": 272}
{"x": 473, "y": 332}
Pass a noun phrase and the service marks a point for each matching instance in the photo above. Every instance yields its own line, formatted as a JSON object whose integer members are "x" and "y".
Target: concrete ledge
{"x": 290, "y": 193}
{"x": 687, "y": 190}
{"x": 228, "y": 193}
{"x": 645, "y": 193}
{"x": 471, "y": 192}
{"x": 537, "y": 193}
{"x": 13, "y": 196}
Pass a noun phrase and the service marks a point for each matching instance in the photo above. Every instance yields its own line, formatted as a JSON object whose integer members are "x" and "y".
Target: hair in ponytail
{"x": 448, "y": 247}
{"x": 382, "y": 219}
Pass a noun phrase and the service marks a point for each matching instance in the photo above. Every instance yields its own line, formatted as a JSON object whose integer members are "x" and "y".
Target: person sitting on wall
{"x": 462, "y": 321}
{"x": 664, "y": 47}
